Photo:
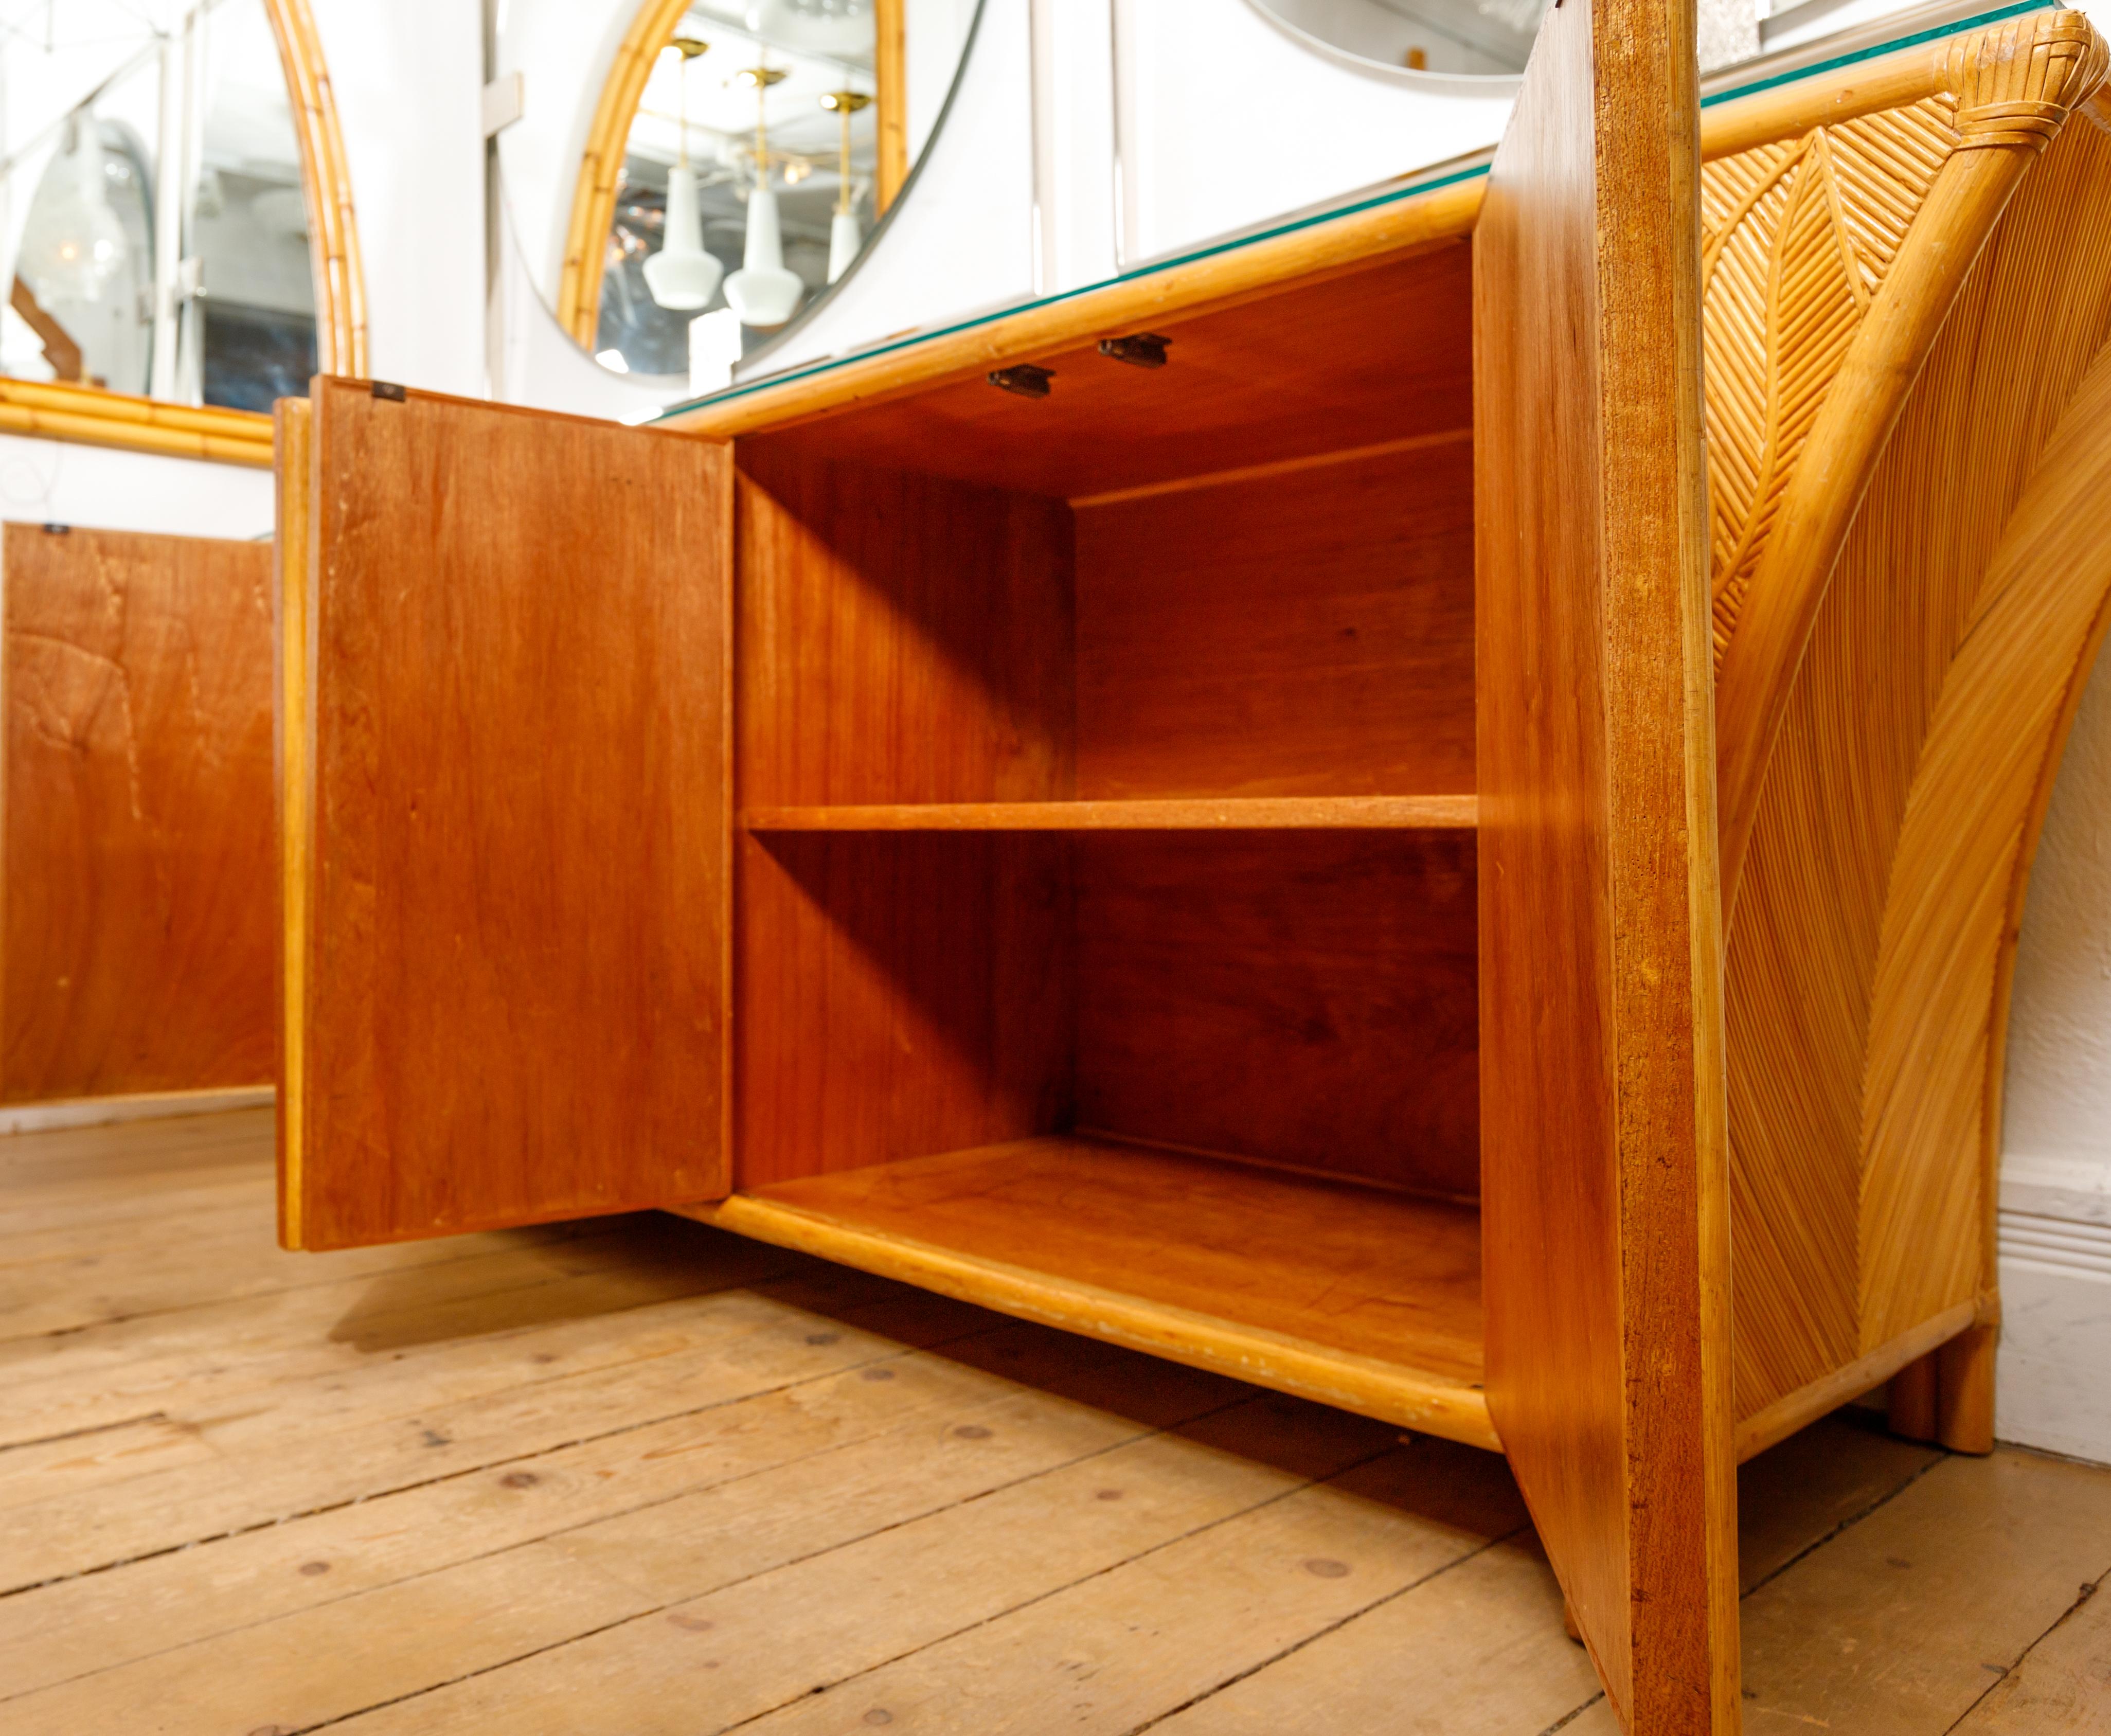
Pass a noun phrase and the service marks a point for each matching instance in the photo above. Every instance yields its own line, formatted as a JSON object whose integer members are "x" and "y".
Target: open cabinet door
{"x": 505, "y": 790}
{"x": 1604, "y": 1173}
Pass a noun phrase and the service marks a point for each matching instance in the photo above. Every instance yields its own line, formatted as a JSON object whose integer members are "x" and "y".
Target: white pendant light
{"x": 846, "y": 235}
{"x": 74, "y": 243}
{"x": 682, "y": 275}
{"x": 762, "y": 291}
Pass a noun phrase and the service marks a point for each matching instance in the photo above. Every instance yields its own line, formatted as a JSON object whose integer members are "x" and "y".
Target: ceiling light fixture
{"x": 682, "y": 275}
{"x": 762, "y": 291}
{"x": 845, "y": 235}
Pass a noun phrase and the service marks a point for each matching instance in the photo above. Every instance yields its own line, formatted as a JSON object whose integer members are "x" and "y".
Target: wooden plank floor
{"x": 635, "y": 1476}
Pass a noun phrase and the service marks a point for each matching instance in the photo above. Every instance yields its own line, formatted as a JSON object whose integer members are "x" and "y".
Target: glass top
{"x": 1414, "y": 185}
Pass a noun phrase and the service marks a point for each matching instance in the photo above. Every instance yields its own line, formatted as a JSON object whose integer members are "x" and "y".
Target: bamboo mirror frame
{"x": 93, "y": 416}
{"x": 601, "y": 165}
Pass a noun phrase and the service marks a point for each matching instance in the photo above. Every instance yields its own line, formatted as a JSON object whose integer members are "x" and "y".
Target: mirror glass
{"x": 153, "y": 231}
{"x": 772, "y": 95}
{"x": 754, "y": 171}
{"x": 1471, "y": 39}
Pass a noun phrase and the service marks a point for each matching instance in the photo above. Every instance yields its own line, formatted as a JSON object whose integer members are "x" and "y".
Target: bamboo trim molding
{"x": 1871, "y": 953}
{"x": 1782, "y": 1418}
{"x": 1359, "y": 1383}
{"x": 1962, "y": 865}
{"x": 601, "y": 168}
{"x": 293, "y": 750}
{"x": 90, "y": 417}
{"x": 890, "y": 67}
{"x": 340, "y": 280}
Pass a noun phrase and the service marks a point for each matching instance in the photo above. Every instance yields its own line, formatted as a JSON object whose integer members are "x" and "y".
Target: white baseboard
{"x": 146, "y": 1105}
{"x": 2053, "y": 1383}
{"x": 2058, "y": 1185}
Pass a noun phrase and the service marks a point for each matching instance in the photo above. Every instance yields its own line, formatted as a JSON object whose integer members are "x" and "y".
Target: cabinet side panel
{"x": 519, "y": 962}
{"x": 903, "y": 639}
{"x": 1604, "y": 1210}
{"x": 900, "y": 994}
{"x": 139, "y": 864}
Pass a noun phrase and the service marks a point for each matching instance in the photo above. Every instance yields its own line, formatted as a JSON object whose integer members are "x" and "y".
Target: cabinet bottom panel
{"x": 1357, "y": 1296}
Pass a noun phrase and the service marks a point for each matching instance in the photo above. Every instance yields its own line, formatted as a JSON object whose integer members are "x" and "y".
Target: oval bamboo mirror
{"x": 1460, "y": 39}
{"x": 736, "y": 159}
{"x": 176, "y": 230}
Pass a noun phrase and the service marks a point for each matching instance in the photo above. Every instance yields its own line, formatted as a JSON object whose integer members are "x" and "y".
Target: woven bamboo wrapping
{"x": 1922, "y": 723}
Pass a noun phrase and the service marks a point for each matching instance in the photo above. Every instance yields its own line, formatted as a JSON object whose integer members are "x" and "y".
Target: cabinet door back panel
{"x": 1309, "y": 633}
{"x": 517, "y": 963}
{"x": 139, "y": 898}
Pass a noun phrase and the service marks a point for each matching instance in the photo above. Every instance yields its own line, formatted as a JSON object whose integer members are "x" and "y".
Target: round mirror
{"x": 1470, "y": 39}
{"x": 154, "y": 230}
{"x": 738, "y": 159}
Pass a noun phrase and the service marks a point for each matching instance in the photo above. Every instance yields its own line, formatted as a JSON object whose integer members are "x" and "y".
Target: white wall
{"x": 44, "y": 482}
{"x": 2054, "y": 1385}
{"x": 409, "y": 77}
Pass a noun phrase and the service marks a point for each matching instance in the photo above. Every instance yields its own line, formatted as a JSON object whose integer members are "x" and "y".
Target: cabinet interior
{"x": 1106, "y": 892}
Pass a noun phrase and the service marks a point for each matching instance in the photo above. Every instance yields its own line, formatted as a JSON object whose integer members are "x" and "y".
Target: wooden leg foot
{"x": 1965, "y": 1391}
{"x": 1568, "y": 1623}
{"x": 1947, "y": 1397}
{"x": 1913, "y": 1399}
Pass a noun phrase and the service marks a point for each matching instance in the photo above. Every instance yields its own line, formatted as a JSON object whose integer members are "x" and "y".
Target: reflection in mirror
{"x": 1484, "y": 38}
{"x": 152, "y": 224}
{"x": 753, "y": 159}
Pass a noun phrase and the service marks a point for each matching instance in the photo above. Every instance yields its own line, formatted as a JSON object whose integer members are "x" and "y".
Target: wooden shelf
{"x": 1252, "y": 813}
{"x": 1357, "y": 1296}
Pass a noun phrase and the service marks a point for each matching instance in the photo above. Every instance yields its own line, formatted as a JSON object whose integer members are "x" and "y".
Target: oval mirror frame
{"x": 601, "y": 165}
{"x": 90, "y": 417}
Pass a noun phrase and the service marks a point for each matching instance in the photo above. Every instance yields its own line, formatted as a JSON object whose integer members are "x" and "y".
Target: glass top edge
{"x": 1416, "y": 184}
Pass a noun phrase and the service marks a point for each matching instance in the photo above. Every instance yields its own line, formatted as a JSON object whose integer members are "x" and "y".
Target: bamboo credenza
{"x": 1341, "y": 842}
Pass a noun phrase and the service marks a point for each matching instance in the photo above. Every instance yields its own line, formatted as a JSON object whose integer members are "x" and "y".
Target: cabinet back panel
{"x": 900, "y": 993}
{"x": 1301, "y": 998}
{"x": 140, "y": 900}
{"x": 1309, "y": 633}
{"x": 903, "y": 639}
{"x": 1283, "y": 376}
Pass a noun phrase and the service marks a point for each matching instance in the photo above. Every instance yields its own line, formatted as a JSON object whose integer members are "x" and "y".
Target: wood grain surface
{"x": 1300, "y": 998}
{"x": 903, "y": 639}
{"x": 1604, "y": 1196}
{"x": 468, "y": 1484}
{"x": 518, "y": 954}
{"x": 1303, "y": 634}
{"x": 1266, "y": 380}
{"x": 1371, "y": 1273}
{"x": 901, "y": 994}
{"x": 140, "y": 900}
{"x": 1238, "y": 813}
